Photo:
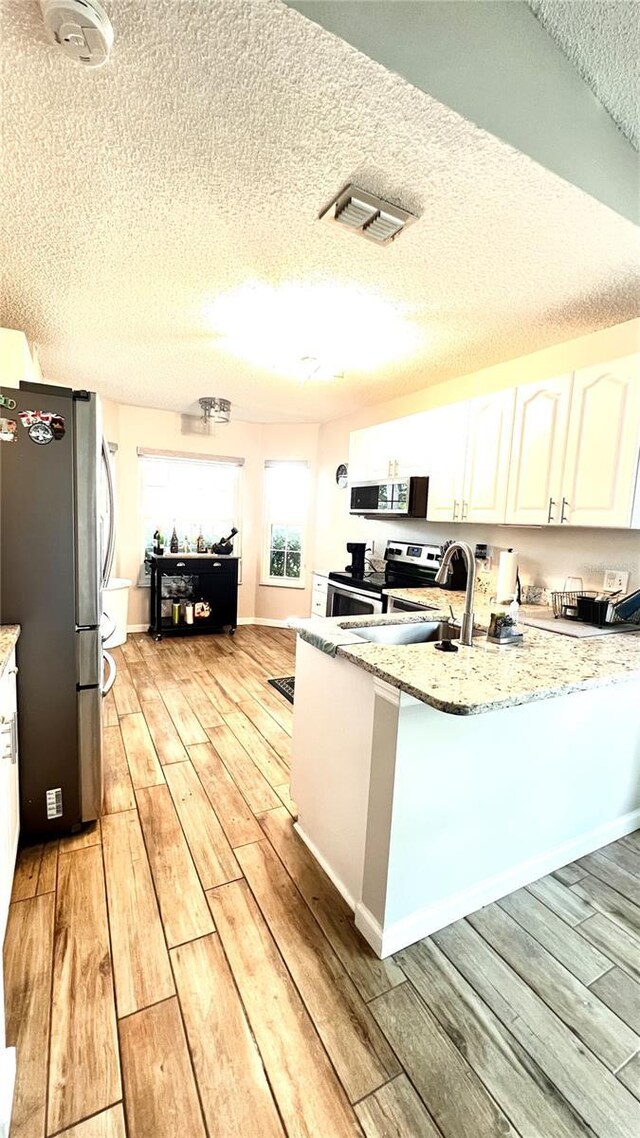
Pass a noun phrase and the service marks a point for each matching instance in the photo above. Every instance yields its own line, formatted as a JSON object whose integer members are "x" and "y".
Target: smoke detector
{"x": 367, "y": 215}
{"x": 80, "y": 28}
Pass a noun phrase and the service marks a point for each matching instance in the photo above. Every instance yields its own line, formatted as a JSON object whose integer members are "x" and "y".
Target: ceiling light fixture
{"x": 314, "y": 369}
{"x": 343, "y": 325}
{"x": 367, "y": 215}
{"x": 214, "y": 410}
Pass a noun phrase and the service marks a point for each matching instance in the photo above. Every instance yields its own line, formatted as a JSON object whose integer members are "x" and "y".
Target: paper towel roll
{"x": 507, "y": 574}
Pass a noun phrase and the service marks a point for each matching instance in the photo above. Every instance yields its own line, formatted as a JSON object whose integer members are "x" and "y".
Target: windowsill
{"x": 273, "y": 581}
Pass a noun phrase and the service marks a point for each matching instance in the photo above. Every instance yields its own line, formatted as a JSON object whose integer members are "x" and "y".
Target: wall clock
{"x": 341, "y": 475}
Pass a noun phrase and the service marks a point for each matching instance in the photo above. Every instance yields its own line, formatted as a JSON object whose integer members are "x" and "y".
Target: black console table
{"x": 193, "y": 577}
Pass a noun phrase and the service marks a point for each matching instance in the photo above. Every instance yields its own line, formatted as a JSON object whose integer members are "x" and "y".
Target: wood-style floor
{"x": 184, "y": 968}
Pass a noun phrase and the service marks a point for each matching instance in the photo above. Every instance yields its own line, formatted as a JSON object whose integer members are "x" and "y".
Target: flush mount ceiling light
{"x": 367, "y": 215}
{"x": 343, "y": 325}
{"x": 311, "y": 368}
{"x": 214, "y": 410}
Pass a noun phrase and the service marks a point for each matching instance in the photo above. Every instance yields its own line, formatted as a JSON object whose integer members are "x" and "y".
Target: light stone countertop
{"x": 485, "y": 677}
{"x": 9, "y": 634}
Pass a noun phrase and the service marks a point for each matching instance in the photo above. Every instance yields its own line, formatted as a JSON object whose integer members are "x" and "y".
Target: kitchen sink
{"x": 422, "y": 632}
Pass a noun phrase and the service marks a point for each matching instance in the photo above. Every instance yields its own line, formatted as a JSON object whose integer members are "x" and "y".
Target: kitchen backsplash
{"x": 546, "y": 556}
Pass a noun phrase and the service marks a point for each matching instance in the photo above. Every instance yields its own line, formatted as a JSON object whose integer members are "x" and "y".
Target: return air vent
{"x": 367, "y": 215}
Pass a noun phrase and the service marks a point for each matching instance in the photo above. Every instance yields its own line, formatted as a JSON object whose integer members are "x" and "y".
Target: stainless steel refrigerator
{"x": 55, "y": 557}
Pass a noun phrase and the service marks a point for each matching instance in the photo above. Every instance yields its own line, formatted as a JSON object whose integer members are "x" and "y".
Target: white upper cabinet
{"x": 559, "y": 452}
{"x": 395, "y": 449}
{"x": 602, "y": 446}
{"x": 489, "y": 432}
{"x": 446, "y": 438}
{"x": 538, "y": 452}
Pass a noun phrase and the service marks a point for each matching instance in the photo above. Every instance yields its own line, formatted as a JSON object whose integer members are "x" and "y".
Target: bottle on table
{"x": 173, "y": 545}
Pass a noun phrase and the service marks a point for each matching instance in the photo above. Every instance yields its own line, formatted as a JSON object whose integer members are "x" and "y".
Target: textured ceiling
{"x": 602, "y": 40}
{"x": 160, "y": 223}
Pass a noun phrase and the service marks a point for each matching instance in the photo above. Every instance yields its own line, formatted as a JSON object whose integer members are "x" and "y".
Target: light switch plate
{"x": 615, "y": 581}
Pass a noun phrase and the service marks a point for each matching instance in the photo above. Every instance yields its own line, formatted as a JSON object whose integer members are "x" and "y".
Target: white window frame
{"x": 269, "y": 521}
{"x": 186, "y": 456}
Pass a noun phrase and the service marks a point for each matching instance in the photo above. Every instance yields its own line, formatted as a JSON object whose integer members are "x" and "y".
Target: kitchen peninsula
{"x": 431, "y": 783}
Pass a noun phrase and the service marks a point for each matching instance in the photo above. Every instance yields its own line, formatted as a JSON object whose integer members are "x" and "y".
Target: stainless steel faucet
{"x": 466, "y": 630}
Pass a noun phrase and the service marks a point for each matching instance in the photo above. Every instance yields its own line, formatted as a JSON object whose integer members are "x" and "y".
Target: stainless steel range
{"x": 409, "y": 565}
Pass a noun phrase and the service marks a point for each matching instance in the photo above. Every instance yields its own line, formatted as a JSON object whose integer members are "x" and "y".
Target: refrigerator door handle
{"x": 111, "y": 541}
{"x": 107, "y": 627}
{"x": 111, "y": 677}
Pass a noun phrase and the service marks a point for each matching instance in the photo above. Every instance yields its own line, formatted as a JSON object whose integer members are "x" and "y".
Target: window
{"x": 194, "y": 494}
{"x": 286, "y": 496}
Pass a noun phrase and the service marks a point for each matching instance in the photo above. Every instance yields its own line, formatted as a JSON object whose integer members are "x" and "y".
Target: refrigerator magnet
{"x": 8, "y": 430}
{"x": 43, "y": 426}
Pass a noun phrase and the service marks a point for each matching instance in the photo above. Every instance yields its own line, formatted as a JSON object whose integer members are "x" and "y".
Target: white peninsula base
{"x": 421, "y": 817}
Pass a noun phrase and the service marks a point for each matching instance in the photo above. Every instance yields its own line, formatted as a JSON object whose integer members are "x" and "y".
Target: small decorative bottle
{"x": 174, "y": 540}
{"x": 186, "y": 547}
{"x": 201, "y": 545}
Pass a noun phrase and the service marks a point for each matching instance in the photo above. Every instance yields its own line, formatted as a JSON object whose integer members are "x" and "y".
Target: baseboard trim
{"x": 311, "y": 846}
{"x": 402, "y": 933}
{"x": 263, "y": 620}
{"x": 241, "y": 620}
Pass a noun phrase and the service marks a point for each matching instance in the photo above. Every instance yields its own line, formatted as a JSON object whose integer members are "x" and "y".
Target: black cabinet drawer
{"x": 186, "y": 565}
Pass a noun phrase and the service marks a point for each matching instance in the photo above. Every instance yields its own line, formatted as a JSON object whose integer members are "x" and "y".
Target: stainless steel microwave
{"x": 394, "y": 498}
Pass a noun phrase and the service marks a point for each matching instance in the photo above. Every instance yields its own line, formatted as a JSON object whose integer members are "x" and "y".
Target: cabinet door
{"x": 538, "y": 452}
{"x": 602, "y": 446}
{"x": 446, "y": 441}
{"x": 370, "y": 453}
{"x": 9, "y": 804}
{"x": 358, "y": 452}
{"x": 408, "y": 444}
{"x": 489, "y": 435}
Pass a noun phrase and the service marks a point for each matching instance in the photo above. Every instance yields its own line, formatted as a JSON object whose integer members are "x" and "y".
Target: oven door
{"x": 345, "y": 601}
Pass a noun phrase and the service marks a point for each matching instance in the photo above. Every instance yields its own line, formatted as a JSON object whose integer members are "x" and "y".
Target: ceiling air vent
{"x": 367, "y": 215}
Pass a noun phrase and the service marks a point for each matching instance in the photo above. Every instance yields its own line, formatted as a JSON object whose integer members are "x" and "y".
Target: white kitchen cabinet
{"x": 9, "y": 804}
{"x": 603, "y": 442}
{"x": 368, "y": 453}
{"x": 396, "y": 449}
{"x": 446, "y": 446}
{"x": 319, "y": 591}
{"x": 488, "y": 450}
{"x": 576, "y": 441}
{"x": 538, "y": 452}
{"x": 9, "y": 830}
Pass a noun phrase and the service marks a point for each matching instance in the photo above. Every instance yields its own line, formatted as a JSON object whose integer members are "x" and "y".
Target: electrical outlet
{"x": 615, "y": 581}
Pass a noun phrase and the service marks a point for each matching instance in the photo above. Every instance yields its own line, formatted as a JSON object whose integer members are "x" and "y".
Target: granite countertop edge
{"x": 9, "y": 634}
{"x": 601, "y": 662}
{"x": 479, "y": 707}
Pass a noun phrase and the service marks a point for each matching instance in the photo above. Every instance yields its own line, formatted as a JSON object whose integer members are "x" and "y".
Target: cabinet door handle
{"x": 455, "y": 510}
{"x": 465, "y": 511}
{"x": 550, "y": 513}
{"x": 564, "y": 503}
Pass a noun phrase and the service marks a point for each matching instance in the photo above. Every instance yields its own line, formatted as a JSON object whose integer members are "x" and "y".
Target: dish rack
{"x": 583, "y": 606}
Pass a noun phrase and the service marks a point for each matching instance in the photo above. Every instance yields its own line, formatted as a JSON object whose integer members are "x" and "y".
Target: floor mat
{"x": 286, "y": 686}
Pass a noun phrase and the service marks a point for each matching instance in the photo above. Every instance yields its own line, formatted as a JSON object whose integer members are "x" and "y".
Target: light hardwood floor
{"x": 185, "y": 969}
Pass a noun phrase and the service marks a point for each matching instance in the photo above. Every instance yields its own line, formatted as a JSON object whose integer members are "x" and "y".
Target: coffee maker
{"x": 357, "y": 549}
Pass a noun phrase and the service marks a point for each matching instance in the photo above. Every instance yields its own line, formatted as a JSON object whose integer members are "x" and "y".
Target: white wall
{"x": 133, "y": 427}
{"x": 547, "y": 555}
